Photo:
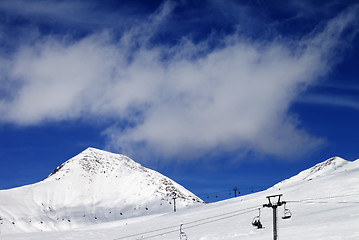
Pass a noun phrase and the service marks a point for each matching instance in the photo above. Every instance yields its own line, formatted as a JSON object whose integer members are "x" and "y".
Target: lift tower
{"x": 174, "y": 197}
{"x": 274, "y": 202}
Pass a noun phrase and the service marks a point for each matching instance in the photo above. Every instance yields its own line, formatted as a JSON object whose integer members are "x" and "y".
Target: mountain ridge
{"x": 96, "y": 186}
{"x": 319, "y": 172}
{"x": 92, "y": 187}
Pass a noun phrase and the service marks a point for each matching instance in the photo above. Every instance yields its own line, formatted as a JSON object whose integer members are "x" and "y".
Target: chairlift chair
{"x": 183, "y": 235}
{"x": 256, "y": 222}
{"x": 287, "y": 213}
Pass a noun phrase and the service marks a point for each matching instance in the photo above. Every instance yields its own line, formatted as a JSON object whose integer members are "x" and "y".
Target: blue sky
{"x": 213, "y": 94}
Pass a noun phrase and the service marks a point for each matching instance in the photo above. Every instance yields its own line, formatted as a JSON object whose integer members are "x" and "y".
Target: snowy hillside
{"x": 332, "y": 165}
{"x": 323, "y": 200}
{"x": 92, "y": 187}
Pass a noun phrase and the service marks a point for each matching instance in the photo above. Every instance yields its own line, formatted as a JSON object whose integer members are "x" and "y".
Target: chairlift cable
{"x": 196, "y": 225}
{"x": 151, "y": 231}
{"x": 312, "y": 201}
{"x": 232, "y": 213}
{"x": 219, "y": 217}
{"x": 231, "y": 190}
{"x": 328, "y": 197}
{"x": 215, "y": 220}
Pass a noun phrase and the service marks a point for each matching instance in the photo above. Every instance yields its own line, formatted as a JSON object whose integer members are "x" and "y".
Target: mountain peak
{"x": 92, "y": 187}
{"x": 326, "y": 168}
{"x": 92, "y": 150}
{"x": 323, "y": 169}
{"x": 93, "y": 160}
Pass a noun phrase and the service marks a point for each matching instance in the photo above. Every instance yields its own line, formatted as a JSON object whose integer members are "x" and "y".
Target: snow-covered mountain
{"x": 323, "y": 200}
{"x": 332, "y": 165}
{"x": 93, "y": 187}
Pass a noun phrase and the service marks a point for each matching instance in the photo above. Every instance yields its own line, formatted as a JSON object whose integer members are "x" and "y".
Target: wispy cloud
{"x": 332, "y": 100}
{"x": 64, "y": 14}
{"x": 184, "y": 99}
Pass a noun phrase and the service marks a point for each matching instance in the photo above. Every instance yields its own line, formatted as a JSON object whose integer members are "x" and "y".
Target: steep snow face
{"x": 105, "y": 173}
{"x": 323, "y": 169}
{"x": 93, "y": 187}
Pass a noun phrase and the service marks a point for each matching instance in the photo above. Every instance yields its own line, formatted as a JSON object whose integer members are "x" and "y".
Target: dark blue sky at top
{"x": 327, "y": 109}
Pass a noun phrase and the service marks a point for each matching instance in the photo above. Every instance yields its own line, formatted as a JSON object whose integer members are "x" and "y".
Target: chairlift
{"x": 183, "y": 235}
{"x": 256, "y": 222}
{"x": 287, "y": 213}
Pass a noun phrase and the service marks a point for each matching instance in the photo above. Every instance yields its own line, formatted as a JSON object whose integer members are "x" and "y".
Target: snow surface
{"x": 324, "y": 201}
{"x": 93, "y": 187}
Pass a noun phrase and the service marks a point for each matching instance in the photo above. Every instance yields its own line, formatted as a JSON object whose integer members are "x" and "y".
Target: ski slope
{"x": 91, "y": 188}
{"x": 323, "y": 200}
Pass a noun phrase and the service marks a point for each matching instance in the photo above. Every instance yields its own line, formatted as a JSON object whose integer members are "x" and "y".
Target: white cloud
{"x": 186, "y": 99}
{"x": 67, "y": 14}
{"x": 331, "y": 100}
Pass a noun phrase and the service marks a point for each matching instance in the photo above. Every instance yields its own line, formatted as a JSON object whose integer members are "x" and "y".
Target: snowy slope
{"x": 332, "y": 165}
{"x": 92, "y": 187}
{"x": 324, "y": 201}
